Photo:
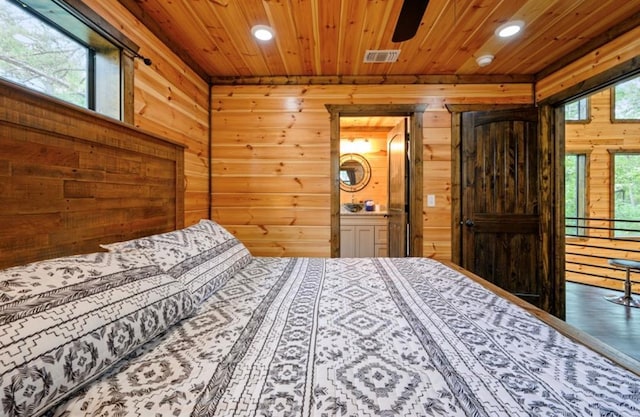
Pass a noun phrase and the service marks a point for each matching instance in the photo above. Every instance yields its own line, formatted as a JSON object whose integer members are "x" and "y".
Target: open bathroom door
{"x": 398, "y": 205}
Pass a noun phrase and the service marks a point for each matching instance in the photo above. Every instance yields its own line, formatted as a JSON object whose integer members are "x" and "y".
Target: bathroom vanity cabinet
{"x": 363, "y": 235}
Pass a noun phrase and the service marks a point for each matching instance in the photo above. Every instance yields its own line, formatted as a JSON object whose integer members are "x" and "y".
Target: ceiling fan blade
{"x": 409, "y": 19}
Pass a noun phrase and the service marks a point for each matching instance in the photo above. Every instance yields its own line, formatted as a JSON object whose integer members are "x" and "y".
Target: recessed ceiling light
{"x": 484, "y": 60}
{"x": 262, "y": 32}
{"x": 510, "y": 28}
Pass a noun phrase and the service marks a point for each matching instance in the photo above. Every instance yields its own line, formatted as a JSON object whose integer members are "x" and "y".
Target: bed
{"x": 188, "y": 323}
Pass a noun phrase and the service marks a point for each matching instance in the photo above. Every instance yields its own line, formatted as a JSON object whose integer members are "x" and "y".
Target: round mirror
{"x": 355, "y": 172}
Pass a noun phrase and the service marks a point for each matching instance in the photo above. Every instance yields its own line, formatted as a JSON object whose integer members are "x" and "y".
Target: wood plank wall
{"x": 620, "y": 50}
{"x": 270, "y": 149}
{"x": 70, "y": 180}
{"x": 171, "y": 100}
{"x": 377, "y": 189}
{"x": 597, "y": 139}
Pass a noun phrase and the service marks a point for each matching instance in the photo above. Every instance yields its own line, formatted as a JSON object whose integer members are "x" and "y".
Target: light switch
{"x": 431, "y": 200}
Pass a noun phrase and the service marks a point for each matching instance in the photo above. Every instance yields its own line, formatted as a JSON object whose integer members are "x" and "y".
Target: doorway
{"x": 602, "y": 212}
{"x": 500, "y": 192}
{"x": 548, "y": 291}
{"x": 414, "y": 114}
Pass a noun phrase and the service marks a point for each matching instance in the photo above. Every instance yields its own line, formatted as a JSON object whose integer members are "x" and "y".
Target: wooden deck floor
{"x": 614, "y": 324}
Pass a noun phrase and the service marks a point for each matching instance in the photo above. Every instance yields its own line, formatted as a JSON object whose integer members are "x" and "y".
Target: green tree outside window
{"x": 38, "y": 56}
{"x": 626, "y": 194}
{"x": 626, "y": 102}
{"x": 575, "y": 194}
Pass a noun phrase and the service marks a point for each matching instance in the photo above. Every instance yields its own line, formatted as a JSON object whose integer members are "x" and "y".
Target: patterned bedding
{"x": 358, "y": 337}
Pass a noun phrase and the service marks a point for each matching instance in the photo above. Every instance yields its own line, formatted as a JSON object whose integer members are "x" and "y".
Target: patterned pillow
{"x": 202, "y": 256}
{"x": 65, "y": 321}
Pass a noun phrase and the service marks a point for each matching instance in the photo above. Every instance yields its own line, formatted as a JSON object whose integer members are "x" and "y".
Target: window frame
{"x": 612, "y": 197}
{"x": 588, "y": 112}
{"x": 612, "y": 106}
{"x": 582, "y": 226}
{"x": 77, "y": 21}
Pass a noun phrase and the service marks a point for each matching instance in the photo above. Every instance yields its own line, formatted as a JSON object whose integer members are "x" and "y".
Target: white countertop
{"x": 362, "y": 213}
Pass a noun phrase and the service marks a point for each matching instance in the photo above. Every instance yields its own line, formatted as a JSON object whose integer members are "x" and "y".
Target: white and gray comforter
{"x": 359, "y": 337}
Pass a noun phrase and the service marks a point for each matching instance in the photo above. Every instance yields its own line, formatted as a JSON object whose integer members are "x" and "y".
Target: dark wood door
{"x": 398, "y": 181}
{"x": 501, "y": 233}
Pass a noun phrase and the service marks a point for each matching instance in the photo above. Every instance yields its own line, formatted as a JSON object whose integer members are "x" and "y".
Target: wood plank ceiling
{"x": 328, "y": 38}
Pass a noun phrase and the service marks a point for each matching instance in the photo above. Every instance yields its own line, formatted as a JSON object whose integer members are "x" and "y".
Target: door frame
{"x": 551, "y": 209}
{"x": 551, "y": 132}
{"x": 456, "y": 111}
{"x": 415, "y": 113}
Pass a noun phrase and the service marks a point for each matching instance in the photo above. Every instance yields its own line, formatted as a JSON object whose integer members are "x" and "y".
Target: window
{"x": 575, "y": 177}
{"x": 40, "y": 57}
{"x": 625, "y": 97}
{"x": 49, "y": 47}
{"x": 577, "y": 111}
{"x": 626, "y": 194}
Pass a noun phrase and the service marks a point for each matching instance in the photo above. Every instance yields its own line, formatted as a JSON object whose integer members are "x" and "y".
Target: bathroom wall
{"x": 377, "y": 188}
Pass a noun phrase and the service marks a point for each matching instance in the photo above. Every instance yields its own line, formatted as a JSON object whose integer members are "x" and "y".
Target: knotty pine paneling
{"x": 70, "y": 180}
{"x": 378, "y": 187}
{"x": 597, "y": 139}
{"x": 261, "y": 134}
{"x": 171, "y": 100}
{"x": 329, "y": 37}
{"x": 618, "y": 51}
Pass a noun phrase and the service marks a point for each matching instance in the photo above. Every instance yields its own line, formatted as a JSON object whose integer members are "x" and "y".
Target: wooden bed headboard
{"x": 71, "y": 179}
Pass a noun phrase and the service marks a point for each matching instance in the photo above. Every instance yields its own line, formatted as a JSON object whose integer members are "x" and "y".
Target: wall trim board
{"x": 374, "y": 79}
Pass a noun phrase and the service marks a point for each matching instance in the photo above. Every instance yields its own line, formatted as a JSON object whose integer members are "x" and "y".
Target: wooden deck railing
{"x": 591, "y": 242}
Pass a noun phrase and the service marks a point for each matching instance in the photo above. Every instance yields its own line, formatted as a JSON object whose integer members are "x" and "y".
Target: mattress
{"x": 359, "y": 337}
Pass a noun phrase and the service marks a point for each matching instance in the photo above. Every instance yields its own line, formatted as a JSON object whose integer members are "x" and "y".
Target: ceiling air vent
{"x": 382, "y": 55}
